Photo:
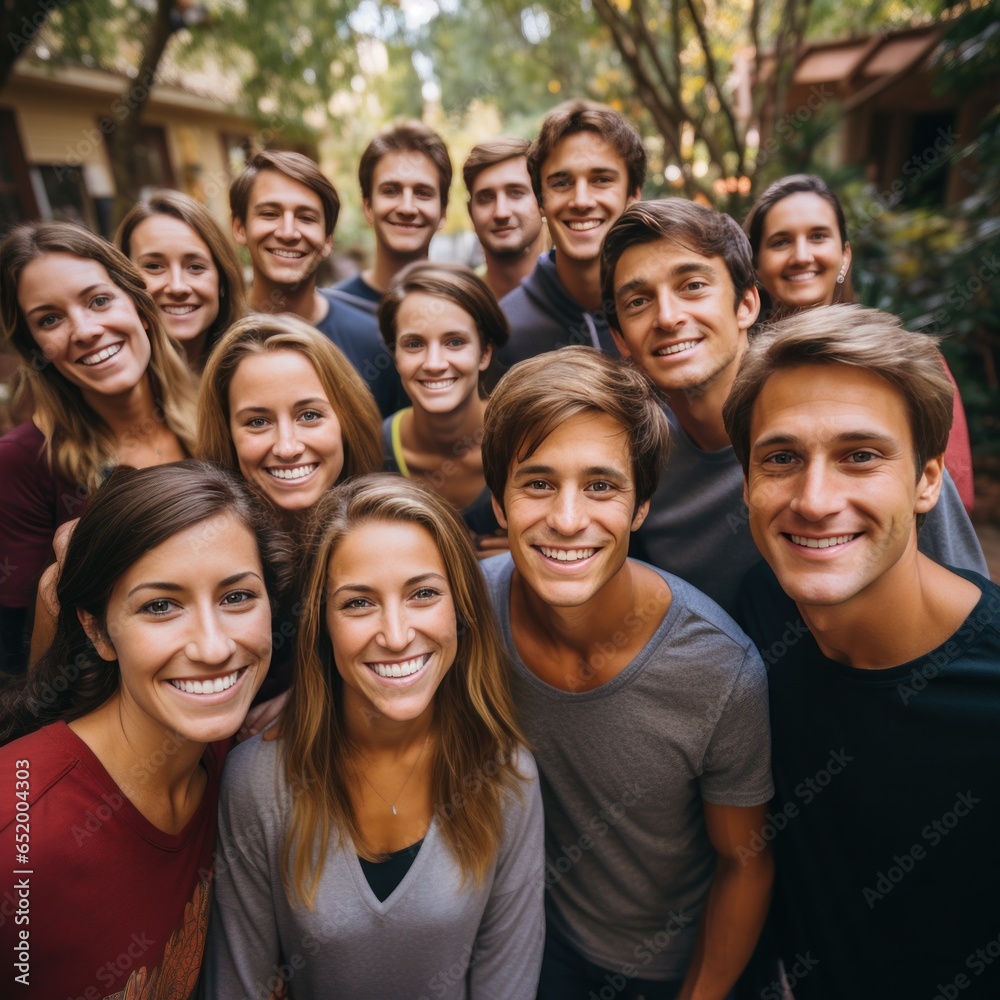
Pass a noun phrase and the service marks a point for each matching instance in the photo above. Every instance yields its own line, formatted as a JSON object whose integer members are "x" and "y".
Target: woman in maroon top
{"x": 119, "y": 733}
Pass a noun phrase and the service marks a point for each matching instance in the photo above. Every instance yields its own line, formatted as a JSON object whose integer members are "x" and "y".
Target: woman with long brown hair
{"x": 120, "y": 731}
{"x": 390, "y": 838}
{"x": 108, "y": 385}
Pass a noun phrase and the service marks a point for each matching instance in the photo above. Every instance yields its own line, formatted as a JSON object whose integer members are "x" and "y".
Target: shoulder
{"x": 253, "y": 773}
{"x": 21, "y": 449}
{"x": 497, "y": 570}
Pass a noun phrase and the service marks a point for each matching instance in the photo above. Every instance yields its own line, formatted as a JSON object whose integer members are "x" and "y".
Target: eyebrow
{"x": 85, "y": 292}
{"x": 603, "y": 171}
{"x": 593, "y": 470}
{"x": 821, "y": 228}
{"x": 848, "y": 437}
{"x": 299, "y": 207}
{"x": 313, "y": 401}
{"x": 363, "y": 588}
{"x": 174, "y": 588}
{"x": 677, "y": 271}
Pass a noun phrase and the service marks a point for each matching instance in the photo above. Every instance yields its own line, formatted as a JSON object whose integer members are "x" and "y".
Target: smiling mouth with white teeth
{"x": 821, "y": 543}
{"x": 102, "y": 355}
{"x": 566, "y": 555}
{"x": 180, "y": 310}
{"x": 287, "y": 254}
{"x": 684, "y": 345}
{"x": 401, "y": 668}
{"x": 209, "y": 685}
{"x": 441, "y": 383}
{"x": 583, "y": 225}
{"x": 801, "y": 276}
{"x": 292, "y": 472}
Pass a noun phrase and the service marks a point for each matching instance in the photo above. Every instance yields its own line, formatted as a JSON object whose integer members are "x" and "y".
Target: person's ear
{"x": 498, "y": 510}
{"x": 640, "y": 515}
{"x": 366, "y": 207}
{"x": 97, "y": 635}
{"x": 239, "y": 231}
{"x": 929, "y": 485}
{"x": 748, "y": 308}
{"x": 484, "y": 361}
{"x": 846, "y": 266}
{"x": 620, "y": 341}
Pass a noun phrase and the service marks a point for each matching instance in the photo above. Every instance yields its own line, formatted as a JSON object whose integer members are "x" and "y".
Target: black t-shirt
{"x": 886, "y": 817}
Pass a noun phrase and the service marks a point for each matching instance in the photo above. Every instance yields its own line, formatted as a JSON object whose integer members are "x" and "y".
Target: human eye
{"x": 101, "y": 301}
{"x": 159, "y": 607}
{"x": 424, "y": 192}
{"x": 558, "y": 183}
{"x": 310, "y": 416}
{"x": 862, "y": 457}
{"x": 267, "y": 213}
{"x": 778, "y": 243}
{"x": 257, "y": 423}
{"x": 239, "y": 597}
{"x": 696, "y": 285}
{"x": 457, "y": 342}
{"x": 47, "y": 321}
{"x": 356, "y": 604}
{"x": 410, "y": 344}
{"x": 536, "y": 485}
{"x": 780, "y": 459}
{"x": 152, "y": 266}
{"x": 426, "y": 593}
{"x": 197, "y": 266}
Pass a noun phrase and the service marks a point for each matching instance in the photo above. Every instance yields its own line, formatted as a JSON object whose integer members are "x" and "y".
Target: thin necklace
{"x": 392, "y": 805}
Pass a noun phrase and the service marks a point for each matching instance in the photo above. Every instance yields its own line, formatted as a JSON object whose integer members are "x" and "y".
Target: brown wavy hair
{"x": 477, "y": 735}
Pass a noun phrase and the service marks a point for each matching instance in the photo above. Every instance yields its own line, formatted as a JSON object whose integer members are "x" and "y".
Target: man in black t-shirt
{"x": 885, "y": 677}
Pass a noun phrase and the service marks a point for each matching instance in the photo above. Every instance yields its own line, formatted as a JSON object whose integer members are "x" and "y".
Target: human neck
{"x": 584, "y": 630}
{"x": 908, "y": 611}
{"x": 156, "y": 768}
{"x": 132, "y": 414}
{"x": 504, "y": 272}
{"x": 450, "y": 434}
{"x": 302, "y": 299}
{"x": 582, "y": 279}
{"x": 387, "y": 265}
{"x": 699, "y": 410}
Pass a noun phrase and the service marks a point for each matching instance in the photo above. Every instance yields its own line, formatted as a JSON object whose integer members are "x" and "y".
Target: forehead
{"x": 583, "y": 152}
{"x": 274, "y": 186}
{"x": 820, "y": 403}
{"x": 663, "y": 261}
{"x": 54, "y": 272}
{"x": 283, "y": 373}
{"x": 381, "y": 552}
{"x": 584, "y": 440}
{"x": 406, "y": 167}
{"x": 162, "y": 233}
{"x": 425, "y": 313}
{"x": 801, "y": 210}
{"x": 511, "y": 171}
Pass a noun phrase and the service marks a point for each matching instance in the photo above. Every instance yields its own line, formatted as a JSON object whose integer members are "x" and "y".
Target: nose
{"x": 567, "y": 514}
{"x": 176, "y": 280}
{"x": 287, "y": 445}
{"x": 502, "y": 208}
{"x": 803, "y": 251}
{"x": 582, "y": 195}
{"x": 210, "y": 644}
{"x": 434, "y": 359}
{"x": 817, "y": 493}
{"x": 668, "y": 313}
{"x": 288, "y": 228}
{"x": 406, "y": 202}
{"x": 395, "y": 632}
{"x": 86, "y": 325}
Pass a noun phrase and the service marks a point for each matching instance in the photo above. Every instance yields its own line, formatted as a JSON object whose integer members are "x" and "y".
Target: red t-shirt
{"x": 104, "y": 901}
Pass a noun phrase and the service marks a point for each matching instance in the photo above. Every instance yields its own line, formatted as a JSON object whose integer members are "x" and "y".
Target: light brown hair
{"x": 867, "y": 339}
{"x": 360, "y": 422}
{"x": 489, "y": 154}
{"x": 232, "y": 288}
{"x": 474, "y": 718}
{"x": 535, "y": 396}
{"x": 77, "y": 442}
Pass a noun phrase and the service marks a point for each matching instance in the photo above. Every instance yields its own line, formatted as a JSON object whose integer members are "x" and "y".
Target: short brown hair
{"x": 869, "y": 339}
{"x": 535, "y": 396}
{"x": 457, "y": 284}
{"x": 407, "y": 135}
{"x": 300, "y": 168}
{"x": 702, "y": 230}
{"x": 612, "y": 126}
{"x": 489, "y": 154}
{"x": 360, "y": 422}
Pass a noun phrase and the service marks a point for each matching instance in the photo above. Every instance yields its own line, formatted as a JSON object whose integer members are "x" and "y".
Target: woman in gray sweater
{"x": 388, "y": 843}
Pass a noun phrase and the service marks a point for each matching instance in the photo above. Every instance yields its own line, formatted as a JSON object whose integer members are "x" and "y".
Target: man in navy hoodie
{"x": 587, "y": 166}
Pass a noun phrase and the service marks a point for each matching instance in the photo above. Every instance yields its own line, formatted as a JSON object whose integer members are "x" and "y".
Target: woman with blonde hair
{"x": 109, "y": 388}
{"x": 283, "y": 406}
{"x": 190, "y": 267}
{"x": 391, "y": 836}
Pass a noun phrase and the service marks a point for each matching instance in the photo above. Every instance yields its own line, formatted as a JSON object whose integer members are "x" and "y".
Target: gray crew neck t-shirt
{"x": 624, "y": 769}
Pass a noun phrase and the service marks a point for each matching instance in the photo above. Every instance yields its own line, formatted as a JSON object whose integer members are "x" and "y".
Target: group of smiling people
{"x": 467, "y": 771}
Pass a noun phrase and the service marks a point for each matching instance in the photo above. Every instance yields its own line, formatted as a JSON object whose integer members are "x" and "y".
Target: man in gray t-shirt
{"x": 645, "y": 704}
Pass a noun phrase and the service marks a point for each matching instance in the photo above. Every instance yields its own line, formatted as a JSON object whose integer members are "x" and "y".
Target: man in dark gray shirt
{"x": 644, "y": 702}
